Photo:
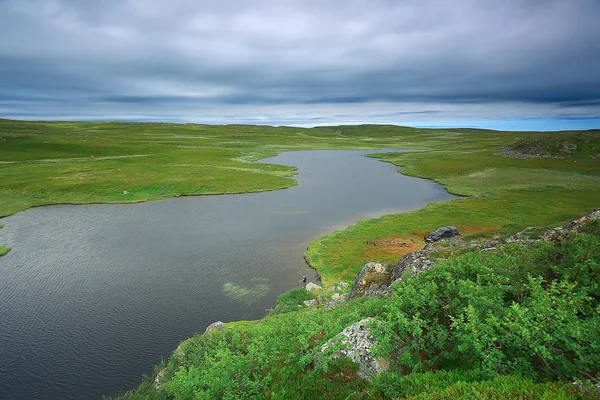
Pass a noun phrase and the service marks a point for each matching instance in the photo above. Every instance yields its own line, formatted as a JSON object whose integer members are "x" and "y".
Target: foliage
{"x": 505, "y": 387}
{"x": 532, "y": 312}
{"x": 290, "y": 301}
{"x": 391, "y": 385}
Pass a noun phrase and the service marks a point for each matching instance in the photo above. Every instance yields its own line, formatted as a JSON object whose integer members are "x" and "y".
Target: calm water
{"x": 91, "y": 297}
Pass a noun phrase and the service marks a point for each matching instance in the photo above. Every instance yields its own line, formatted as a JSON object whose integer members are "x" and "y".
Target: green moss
{"x": 4, "y": 250}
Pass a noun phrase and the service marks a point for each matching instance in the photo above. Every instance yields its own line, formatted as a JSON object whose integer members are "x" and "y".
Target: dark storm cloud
{"x": 136, "y": 58}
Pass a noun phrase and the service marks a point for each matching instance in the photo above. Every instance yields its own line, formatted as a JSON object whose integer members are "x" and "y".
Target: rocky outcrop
{"x": 415, "y": 263}
{"x": 375, "y": 279}
{"x": 372, "y": 280}
{"x": 214, "y": 326}
{"x": 312, "y": 286}
{"x": 336, "y": 300}
{"x": 310, "y": 303}
{"x": 337, "y": 288}
{"x": 356, "y": 343}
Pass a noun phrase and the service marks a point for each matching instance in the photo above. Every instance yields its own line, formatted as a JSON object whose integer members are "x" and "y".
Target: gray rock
{"x": 415, "y": 263}
{"x": 311, "y": 286}
{"x": 336, "y": 300}
{"x": 356, "y": 343}
{"x": 159, "y": 380}
{"x": 343, "y": 286}
{"x": 310, "y": 303}
{"x": 372, "y": 280}
{"x": 322, "y": 298}
{"x": 332, "y": 288}
{"x": 214, "y": 326}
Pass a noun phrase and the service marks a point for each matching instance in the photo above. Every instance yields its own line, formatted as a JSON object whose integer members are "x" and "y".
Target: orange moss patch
{"x": 470, "y": 230}
{"x": 420, "y": 234}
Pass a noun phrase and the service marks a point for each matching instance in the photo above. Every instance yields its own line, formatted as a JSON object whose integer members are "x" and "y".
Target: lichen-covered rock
{"x": 415, "y": 263}
{"x": 322, "y": 298}
{"x": 159, "y": 379}
{"x": 356, "y": 343}
{"x": 372, "y": 280}
{"x": 310, "y": 303}
{"x": 312, "y": 286}
{"x": 336, "y": 300}
{"x": 214, "y": 326}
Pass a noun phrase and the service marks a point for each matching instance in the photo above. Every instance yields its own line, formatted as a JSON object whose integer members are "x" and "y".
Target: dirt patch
{"x": 420, "y": 234}
{"x": 471, "y": 230}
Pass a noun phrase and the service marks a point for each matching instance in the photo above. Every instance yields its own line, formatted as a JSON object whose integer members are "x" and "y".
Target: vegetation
{"x": 515, "y": 323}
{"x": 4, "y": 250}
{"x": 519, "y": 322}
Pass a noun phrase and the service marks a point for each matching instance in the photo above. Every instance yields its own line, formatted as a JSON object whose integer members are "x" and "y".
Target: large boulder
{"x": 356, "y": 343}
{"x": 372, "y": 280}
{"x": 415, "y": 263}
{"x": 215, "y": 326}
{"x": 312, "y": 286}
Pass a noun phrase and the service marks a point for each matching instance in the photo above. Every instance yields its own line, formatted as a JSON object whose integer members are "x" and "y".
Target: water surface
{"x": 92, "y": 296}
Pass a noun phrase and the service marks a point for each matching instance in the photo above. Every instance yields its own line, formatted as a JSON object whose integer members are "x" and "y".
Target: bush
{"x": 505, "y": 387}
{"x": 290, "y": 301}
{"x": 532, "y": 312}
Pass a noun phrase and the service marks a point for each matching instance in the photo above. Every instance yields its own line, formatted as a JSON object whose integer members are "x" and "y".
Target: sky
{"x": 500, "y": 64}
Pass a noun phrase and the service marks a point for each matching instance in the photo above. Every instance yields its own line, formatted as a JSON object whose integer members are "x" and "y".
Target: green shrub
{"x": 533, "y": 312}
{"x": 392, "y": 385}
{"x": 505, "y": 387}
{"x": 291, "y": 301}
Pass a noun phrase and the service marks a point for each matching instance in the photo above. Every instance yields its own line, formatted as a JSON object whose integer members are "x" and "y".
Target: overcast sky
{"x": 508, "y": 64}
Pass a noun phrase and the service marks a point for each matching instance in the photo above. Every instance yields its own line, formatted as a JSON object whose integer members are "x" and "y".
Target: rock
{"x": 311, "y": 286}
{"x": 214, "y": 326}
{"x": 356, "y": 343}
{"x": 336, "y": 300}
{"x": 125, "y": 192}
{"x": 372, "y": 280}
{"x": 343, "y": 286}
{"x": 322, "y": 298}
{"x": 332, "y": 288}
{"x": 415, "y": 263}
{"x": 158, "y": 381}
{"x": 310, "y": 303}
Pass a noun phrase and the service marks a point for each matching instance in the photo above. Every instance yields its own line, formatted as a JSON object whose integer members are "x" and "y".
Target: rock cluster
{"x": 372, "y": 280}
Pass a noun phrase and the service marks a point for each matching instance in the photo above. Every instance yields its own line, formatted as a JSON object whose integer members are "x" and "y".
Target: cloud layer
{"x": 300, "y": 62}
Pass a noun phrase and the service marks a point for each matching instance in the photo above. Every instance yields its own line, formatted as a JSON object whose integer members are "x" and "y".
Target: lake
{"x": 92, "y": 296}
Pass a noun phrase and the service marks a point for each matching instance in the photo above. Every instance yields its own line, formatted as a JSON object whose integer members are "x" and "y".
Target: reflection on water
{"x": 93, "y": 296}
